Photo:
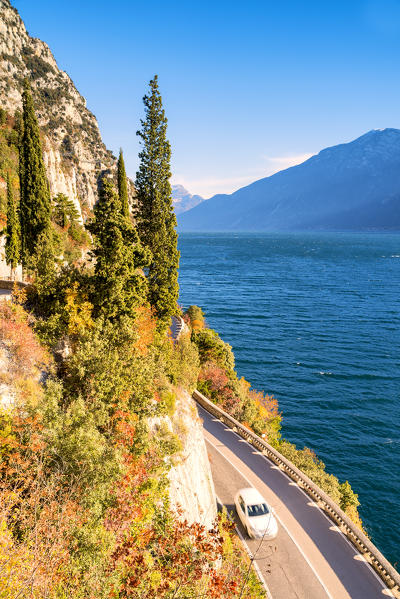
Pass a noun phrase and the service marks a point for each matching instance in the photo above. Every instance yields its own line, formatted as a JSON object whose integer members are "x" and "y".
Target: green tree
{"x": 64, "y": 212}
{"x": 348, "y": 497}
{"x": 35, "y": 206}
{"x": 13, "y": 240}
{"x": 123, "y": 185}
{"x": 155, "y": 217}
{"x": 119, "y": 284}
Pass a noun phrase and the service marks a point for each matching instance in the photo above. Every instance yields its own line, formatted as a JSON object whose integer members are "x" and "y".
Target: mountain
{"x": 183, "y": 200}
{"x": 352, "y": 186}
{"x": 74, "y": 153}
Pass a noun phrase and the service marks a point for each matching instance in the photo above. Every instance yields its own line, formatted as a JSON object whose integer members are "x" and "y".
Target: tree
{"x": 35, "y": 207}
{"x": 123, "y": 185}
{"x": 13, "y": 240}
{"x": 155, "y": 217}
{"x": 65, "y": 212}
{"x": 119, "y": 281}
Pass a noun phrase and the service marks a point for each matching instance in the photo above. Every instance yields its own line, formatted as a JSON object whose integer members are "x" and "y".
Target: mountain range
{"x": 351, "y": 186}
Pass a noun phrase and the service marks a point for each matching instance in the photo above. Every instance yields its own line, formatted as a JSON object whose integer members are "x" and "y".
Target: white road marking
{"x": 356, "y": 553}
{"x": 283, "y": 525}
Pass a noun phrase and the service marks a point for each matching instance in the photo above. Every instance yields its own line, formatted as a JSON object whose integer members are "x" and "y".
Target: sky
{"x": 249, "y": 88}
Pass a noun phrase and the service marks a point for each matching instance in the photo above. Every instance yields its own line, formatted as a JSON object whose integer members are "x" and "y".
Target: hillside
{"x": 74, "y": 153}
{"x": 353, "y": 186}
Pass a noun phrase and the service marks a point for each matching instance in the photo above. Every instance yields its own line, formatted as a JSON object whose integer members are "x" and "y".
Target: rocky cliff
{"x": 191, "y": 483}
{"x": 74, "y": 153}
{"x": 191, "y": 487}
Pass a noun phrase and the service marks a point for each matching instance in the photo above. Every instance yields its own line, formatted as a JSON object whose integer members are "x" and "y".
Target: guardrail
{"x": 8, "y": 283}
{"x": 384, "y": 569}
{"x": 180, "y": 327}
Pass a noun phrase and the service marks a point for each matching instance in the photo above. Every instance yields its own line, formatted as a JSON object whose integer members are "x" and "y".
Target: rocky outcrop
{"x": 191, "y": 487}
{"x": 74, "y": 153}
{"x": 191, "y": 483}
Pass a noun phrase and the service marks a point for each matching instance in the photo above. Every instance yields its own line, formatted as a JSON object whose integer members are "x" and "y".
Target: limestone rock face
{"x": 74, "y": 153}
{"x": 191, "y": 485}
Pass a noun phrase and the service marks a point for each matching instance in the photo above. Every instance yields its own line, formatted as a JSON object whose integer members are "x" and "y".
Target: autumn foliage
{"x": 84, "y": 508}
{"x": 18, "y": 340}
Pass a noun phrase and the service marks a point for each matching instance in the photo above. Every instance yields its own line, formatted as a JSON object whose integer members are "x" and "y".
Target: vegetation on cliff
{"x": 69, "y": 237}
{"x": 84, "y": 506}
{"x": 13, "y": 231}
{"x": 123, "y": 185}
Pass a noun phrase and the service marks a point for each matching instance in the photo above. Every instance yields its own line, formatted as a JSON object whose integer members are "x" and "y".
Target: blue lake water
{"x": 315, "y": 320}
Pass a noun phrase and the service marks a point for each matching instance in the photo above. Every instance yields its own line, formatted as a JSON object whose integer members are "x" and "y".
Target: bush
{"x": 213, "y": 349}
{"x": 195, "y": 316}
{"x": 181, "y": 362}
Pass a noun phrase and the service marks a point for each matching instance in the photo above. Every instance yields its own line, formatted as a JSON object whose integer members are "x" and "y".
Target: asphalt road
{"x": 310, "y": 558}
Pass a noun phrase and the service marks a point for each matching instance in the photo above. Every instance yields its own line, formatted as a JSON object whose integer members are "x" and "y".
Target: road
{"x": 175, "y": 328}
{"x": 310, "y": 558}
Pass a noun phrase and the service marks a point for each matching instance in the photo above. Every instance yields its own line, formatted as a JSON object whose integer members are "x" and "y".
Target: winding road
{"x": 310, "y": 558}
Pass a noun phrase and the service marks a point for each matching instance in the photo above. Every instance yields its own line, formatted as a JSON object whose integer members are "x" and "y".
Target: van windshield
{"x": 259, "y": 509}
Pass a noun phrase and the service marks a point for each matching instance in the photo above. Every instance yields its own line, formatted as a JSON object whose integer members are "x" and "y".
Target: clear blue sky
{"x": 249, "y": 87}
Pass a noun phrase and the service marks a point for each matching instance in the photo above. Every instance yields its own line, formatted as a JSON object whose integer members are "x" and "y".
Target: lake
{"x": 314, "y": 319}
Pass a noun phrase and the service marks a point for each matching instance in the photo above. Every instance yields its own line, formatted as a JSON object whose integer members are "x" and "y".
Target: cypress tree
{"x": 35, "y": 206}
{"x": 13, "y": 241}
{"x": 123, "y": 185}
{"x": 119, "y": 284}
{"x": 155, "y": 217}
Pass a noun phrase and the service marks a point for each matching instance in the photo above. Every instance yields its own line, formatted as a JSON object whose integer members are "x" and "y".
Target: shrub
{"x": 16, "y": 334}
{"x": 213, "y": 349}
{"x": 180, "y": 361}
{"x": 195, "y": 317}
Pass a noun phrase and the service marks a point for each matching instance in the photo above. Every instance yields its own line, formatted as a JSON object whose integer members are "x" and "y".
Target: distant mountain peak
{"x": 183, "y": 200}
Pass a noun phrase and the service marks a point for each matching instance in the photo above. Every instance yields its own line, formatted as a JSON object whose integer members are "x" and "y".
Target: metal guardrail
{"x": 180, "y": 327}
{"x": 8, "y": 283}
{"x": 384, "y": 569}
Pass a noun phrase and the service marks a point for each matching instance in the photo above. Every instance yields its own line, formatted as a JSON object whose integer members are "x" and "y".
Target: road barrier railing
{"x": 384, "y": 569}
{"x": 8, "y": 283}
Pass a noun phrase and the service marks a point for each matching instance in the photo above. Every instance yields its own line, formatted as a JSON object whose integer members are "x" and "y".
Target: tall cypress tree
{"x": 156, "y": 221}
{"x": 119, "y": 282}
{"x": 123, "y": 185}
{"x": 35, "y": 207}
{"x": 13, "y": 240}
